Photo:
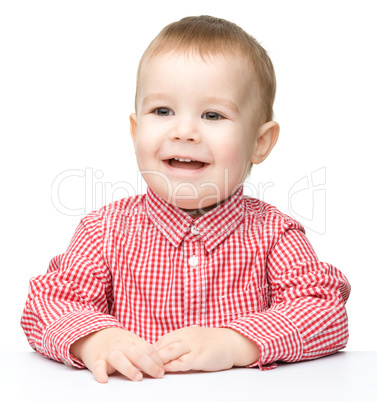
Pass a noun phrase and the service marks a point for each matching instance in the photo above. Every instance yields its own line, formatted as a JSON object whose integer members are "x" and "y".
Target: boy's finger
{"x": 167, "y": 340}
{"x": 149, "y": 364}
{"x": 173, "y": 351}
{"x": 100, "y": 371}
{"x": 124, "y": 366}
{"x": 183, "y": 363}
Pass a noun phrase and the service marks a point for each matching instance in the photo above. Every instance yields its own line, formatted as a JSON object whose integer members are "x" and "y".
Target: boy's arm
{"x": 67, "y": 318}
{"x": 307, "y": 317}
{"x": 73, "y": 298}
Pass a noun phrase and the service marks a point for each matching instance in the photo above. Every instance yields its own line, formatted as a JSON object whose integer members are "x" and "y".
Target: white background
{"x": 67, "y": 82}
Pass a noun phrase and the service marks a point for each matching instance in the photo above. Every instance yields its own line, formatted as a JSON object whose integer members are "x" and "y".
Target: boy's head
{"x": 204, "y": 104}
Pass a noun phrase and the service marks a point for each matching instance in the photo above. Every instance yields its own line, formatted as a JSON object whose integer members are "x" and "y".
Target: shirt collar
{"x": 213, "y": 227}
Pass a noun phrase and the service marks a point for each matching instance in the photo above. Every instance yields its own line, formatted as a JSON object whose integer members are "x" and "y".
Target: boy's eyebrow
{"x": 154, "y": 97}
{"x": 223, "y": 101}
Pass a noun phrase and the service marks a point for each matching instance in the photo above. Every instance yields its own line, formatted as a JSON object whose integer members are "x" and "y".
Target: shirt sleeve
{"x": 73, "y": 299}
{"x": 306, "y": 318}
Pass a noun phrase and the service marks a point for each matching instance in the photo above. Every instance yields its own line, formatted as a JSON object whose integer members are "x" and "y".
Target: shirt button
{"x": 194, "y": 230}
{"x": 193, "y": 261}
{"x": 66, "y": 362}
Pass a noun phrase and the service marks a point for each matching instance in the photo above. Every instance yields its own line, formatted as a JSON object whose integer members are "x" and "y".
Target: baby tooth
{"x": 184, "y": 160}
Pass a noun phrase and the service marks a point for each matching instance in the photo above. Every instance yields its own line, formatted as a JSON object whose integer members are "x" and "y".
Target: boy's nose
{"x": 185, "y": 130}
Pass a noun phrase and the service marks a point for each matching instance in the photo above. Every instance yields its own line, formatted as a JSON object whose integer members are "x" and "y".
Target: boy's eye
{"x": 212, "y": 116}
{"x": 163, "y": 111}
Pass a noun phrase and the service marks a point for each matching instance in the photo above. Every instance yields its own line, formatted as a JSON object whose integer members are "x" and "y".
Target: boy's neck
{"x": 197, "y": 213}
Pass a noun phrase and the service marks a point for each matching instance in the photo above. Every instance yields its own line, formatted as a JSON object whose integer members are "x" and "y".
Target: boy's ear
{"x": 133, "y": 125}
{"x": 267, "y": 137}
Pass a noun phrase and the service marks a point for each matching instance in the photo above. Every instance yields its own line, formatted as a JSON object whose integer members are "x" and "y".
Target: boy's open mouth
{"x": 185, "y": 163}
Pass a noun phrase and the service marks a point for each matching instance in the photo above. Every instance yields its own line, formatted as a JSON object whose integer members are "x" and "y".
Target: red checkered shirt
{"x": 151, "y": 268}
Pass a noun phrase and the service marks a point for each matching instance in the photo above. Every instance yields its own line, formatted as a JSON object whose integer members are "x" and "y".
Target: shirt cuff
{"x": 277, "y": 337}
{"x": 59, "y": 336}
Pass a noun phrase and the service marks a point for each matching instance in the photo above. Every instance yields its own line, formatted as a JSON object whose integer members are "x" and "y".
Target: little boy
{"x": 193, "y": 274}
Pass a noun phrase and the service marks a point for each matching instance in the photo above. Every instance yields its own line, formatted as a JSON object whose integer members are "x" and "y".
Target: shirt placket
{"x": 193, "y": 280}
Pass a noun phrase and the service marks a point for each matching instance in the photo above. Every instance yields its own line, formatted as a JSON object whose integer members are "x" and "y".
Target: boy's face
{"x": 195, "y": 132}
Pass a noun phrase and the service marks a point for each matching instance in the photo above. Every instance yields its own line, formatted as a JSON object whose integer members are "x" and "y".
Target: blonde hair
{"x": 210, "y": 36}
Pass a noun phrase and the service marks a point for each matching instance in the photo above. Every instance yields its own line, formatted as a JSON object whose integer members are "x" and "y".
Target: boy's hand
{"x": 206, "y": 349}
{"x": 115, "y": 349}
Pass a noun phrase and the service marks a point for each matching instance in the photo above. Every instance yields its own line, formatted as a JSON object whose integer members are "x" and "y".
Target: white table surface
{"x": 344, "y": 376}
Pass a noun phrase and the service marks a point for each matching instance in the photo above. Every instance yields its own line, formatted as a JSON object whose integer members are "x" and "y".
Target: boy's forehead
{"x": 193, "y": 66}
{"x": 167, "y": 61}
